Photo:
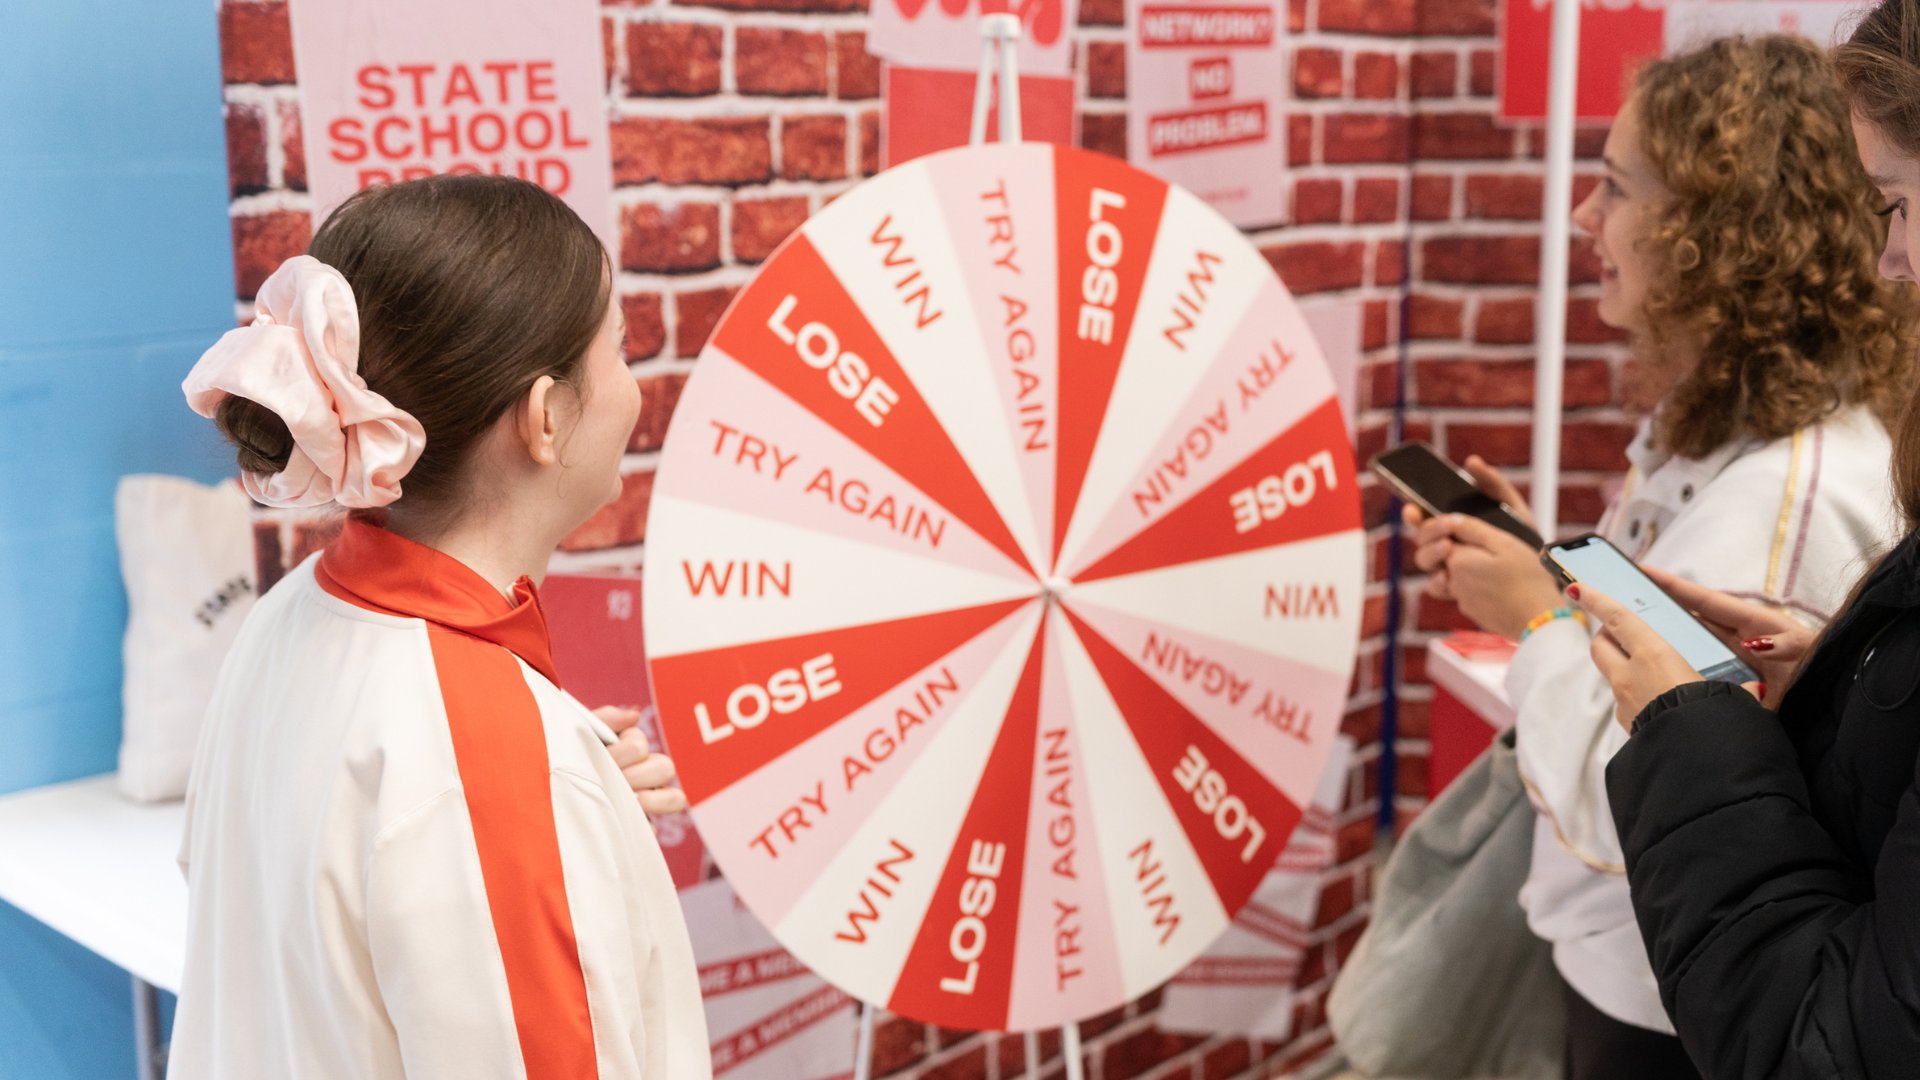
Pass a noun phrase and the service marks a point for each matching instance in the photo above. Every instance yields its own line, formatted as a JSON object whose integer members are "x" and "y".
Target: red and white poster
{"x": 1244, "y": 985}
{"x": 768, "y": 1017}
{"x": 1206, "y": 109}
{"x": 1003, "y": 584}
{"x": 398, "y": 89}
{"x": 1617, "y": 36}
{"x": 600, "y": 655}
{"x": 932, "y": 50}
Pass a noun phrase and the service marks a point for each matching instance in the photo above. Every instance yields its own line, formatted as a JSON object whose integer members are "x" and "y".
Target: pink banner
{"x": 397, "y": 89}
{"x": 1205, "y": 108}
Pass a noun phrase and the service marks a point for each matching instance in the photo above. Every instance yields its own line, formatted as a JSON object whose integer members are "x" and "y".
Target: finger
{"x": 1490, "y": 480}
{"x": 1432, "y": 557}
{"x": 1412, "y": 515}
{"x": 630, "y": 748}
{"x": 1481, "y": 534}
{"x": 1609, "y": 658}
{"x": 1715, "y": 606}
{"x": 1431, "y": 530}
{"x": 656, "y": 771}
{"x": 1787, "y": 647}
{"x": 1626, "y": 628}
{"x": 1440, "y": 585}
{"x": 618, "y": 717}
{"x": 659, "y": 802}
{"x": 1757, "y": 689}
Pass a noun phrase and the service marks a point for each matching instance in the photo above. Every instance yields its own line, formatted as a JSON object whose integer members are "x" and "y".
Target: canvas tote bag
{"x": 186, "y": 553}
{"x": 1447, "y": 982}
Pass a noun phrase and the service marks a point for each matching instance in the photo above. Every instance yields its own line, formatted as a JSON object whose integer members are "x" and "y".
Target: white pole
{"x": 1033, "y": 1054}
{"x": 1551, "y": 317}
{"x": 1006, "y": 30}
{"x": 863, "y": 1047}
{"x": 1070, "y": 1049}
{"x": 982, "y": 89}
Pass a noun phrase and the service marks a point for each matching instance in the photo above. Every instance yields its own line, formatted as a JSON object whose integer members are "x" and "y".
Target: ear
{"x": 537, "y": 423}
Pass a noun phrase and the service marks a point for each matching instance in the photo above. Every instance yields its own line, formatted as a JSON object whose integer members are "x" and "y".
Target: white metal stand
{"x": 999, "y": 35}
{"x": 863, "y": 1049}
{"x": 1070, "y": 1049}
{"x": 1551, "y": 316}
{"x": 150, "y": 1055}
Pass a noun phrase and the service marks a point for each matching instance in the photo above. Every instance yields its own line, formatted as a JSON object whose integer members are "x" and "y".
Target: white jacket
{"x": 1793, "y": 522}
{"x": 409, "y": 853}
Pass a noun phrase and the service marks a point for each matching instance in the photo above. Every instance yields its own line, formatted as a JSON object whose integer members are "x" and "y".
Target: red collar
{"x": 372, "y": 568}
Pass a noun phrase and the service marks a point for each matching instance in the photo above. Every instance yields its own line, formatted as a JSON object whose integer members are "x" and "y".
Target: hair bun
{"x": 260, "y": 437}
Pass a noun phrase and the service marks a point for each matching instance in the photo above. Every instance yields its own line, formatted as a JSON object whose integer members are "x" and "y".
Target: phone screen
{"x": 1432, "y": 483}
{"x": 1590, "y": 560}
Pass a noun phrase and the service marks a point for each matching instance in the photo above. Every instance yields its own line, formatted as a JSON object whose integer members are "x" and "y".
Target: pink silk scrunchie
{"x": 300, "y": 358}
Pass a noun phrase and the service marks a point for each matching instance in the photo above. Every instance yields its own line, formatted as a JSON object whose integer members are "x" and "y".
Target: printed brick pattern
{"x": 733, "y": 120}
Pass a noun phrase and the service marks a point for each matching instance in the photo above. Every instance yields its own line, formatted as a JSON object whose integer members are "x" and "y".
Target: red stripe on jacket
{"x": 499, "y": 744}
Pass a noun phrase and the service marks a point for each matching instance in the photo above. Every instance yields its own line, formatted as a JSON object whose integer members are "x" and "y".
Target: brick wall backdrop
{"x": 732, "y": 120}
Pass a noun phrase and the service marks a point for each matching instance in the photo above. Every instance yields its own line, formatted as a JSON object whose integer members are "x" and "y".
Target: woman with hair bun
{"x": 409, "y": 852}
{"x": 1737, "y": 241}
{"x": 1772, "y": 840}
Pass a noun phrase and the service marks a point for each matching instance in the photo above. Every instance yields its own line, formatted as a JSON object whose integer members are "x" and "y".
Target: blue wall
{"x": 115, "y": 272}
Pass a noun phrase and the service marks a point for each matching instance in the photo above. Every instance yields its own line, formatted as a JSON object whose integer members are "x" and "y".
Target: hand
{"x": 1638, "y": 663}
{"x": 649, "y": 774}
{"x": 1765, "y": 638}
{"x": 1495, "y": 577}
{"x": 1432, "y": 557}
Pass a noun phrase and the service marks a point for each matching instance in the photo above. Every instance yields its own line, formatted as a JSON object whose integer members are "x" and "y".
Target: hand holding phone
{"x": 1418, "y": 474}
{"x": 1590, "y": 560}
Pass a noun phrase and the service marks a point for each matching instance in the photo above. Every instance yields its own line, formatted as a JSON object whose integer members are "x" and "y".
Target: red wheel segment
{"x": 1107, "y": 219}
{"x": 797, "y": 328}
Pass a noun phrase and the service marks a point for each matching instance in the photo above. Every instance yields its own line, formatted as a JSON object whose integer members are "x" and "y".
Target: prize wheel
{"x": 1003, "y": 584}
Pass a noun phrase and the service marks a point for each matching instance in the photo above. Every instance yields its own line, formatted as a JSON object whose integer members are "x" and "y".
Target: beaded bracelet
{"x": 1546, "y": 617}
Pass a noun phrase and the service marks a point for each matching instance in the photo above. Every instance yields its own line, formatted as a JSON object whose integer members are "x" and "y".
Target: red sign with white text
{"x": 398, "y": 89}
{"x": 1616, "y": 36}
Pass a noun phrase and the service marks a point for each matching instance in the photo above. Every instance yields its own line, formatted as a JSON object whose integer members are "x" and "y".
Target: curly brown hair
{"x": 1772, "y": 247}
{"x": 1879, "y": 70}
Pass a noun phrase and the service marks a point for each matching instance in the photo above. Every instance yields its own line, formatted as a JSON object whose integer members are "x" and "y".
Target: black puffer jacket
{"x": 1775, "y": 860}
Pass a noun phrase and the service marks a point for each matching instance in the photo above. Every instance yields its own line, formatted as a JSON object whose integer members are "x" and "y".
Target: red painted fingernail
{"x": 1763, "y": 689}
{"x": 1573, "y": 591}
{"x": 1759, "y": 644}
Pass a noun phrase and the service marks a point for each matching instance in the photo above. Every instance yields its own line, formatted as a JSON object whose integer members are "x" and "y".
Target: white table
{"x": 100, "y": 869}
{"x": 1469, "y": 708}
{"x": 1480, "y": 685}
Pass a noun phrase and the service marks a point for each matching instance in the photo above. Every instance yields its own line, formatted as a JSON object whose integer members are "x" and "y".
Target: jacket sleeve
{"x": 1563, "y": 713}
{"x": 1773, "y": 957}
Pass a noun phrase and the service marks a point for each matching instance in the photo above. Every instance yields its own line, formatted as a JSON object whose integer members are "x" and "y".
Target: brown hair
{"x": 469, "y": 289}
{"x": 1879, "y": 71}
{"x": 1772, "y": 247}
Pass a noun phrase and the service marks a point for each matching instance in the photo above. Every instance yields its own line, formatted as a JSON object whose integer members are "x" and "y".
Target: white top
{"x": 1793, "y": 522}
{"x": 409, "y": 853}
{"x": 98, "y": 867}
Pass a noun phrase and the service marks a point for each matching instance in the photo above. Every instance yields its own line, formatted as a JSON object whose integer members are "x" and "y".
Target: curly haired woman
{"x": 1736, "y": 233}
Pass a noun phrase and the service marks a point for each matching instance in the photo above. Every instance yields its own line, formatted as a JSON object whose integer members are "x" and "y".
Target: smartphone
{"x": 1438, "y": 486}
{"x": 1591, "y": 560}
